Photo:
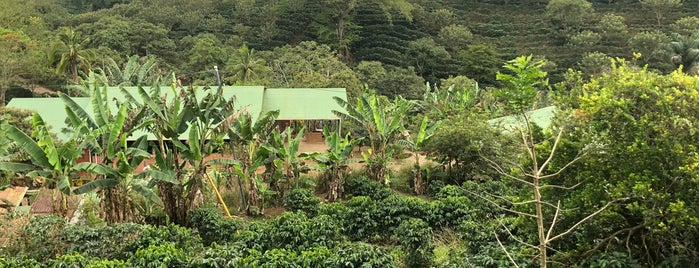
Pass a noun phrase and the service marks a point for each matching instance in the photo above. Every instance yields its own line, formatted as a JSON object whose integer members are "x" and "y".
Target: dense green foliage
{"x": 610, "y": 183}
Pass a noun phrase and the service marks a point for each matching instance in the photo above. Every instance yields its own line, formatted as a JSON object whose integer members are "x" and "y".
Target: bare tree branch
{"x": 584, "y": 220}
{"x": 499, "y": 206}
{"x": 610, "y": 237}
{"x": 553, "y": 222}
{"x": 505, "y": 250}
{"x": 514, "y": 237}
{"x": 560, "y": 170}
{"x": 561, "y": 187}
{"x": 553, "y": 152}
{"x": 502, "y": 172}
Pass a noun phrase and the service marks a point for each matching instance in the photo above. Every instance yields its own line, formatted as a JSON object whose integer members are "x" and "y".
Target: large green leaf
{"x": 96, "y": 184}
{"x": 100, "y": 108}
{"x": 15, "y": 167}
{"x": 94, "y": 168}
{"x": 63, "y": 184}
{"x": 73, "y": 108}
{"x": 147, "y": 193}
{"x": 28, "y": 145}
{"x": 160, "y": 176}
{"x": 115, "y": 128}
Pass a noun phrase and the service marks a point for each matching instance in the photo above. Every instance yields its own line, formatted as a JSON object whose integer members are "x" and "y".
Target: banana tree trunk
{"x": 419, "y": 182}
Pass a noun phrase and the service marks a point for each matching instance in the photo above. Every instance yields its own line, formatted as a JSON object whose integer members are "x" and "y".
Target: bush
{"x": 157, "y": 256}
{"x": 302, "y": 200}
{"x": 449, "y": 191}
{"x": 295, "y": 231}
{"x": 360, "y": 254}
{"x": 415, "y": 235}
{"x": 362, "y": 185}
{"x": 40, "y": 239}
{"x": 434, "y": 187}
{"x": 393, "y": 210}
{"x": 110, "y": 242}
{"x": 611, "y": 260}
{"x": 450, "y": 211}
{"x": 19, "y": 263}
{"x": 221, "y": 256}
{"x": 106, "y": 264}
{"x": 68, "y": 260}
{"x": 177, "y": 236}
{"x": 318, "y": 257}
{"x": 360, "y": 220}
{"x": 212, "y": 226}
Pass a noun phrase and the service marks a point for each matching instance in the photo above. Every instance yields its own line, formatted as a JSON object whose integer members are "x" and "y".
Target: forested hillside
{"x": 391, "y": 46}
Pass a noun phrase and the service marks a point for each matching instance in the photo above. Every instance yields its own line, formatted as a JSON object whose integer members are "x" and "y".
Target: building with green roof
{"x": 292, "y": 103}
{"x": 541, "y": 117}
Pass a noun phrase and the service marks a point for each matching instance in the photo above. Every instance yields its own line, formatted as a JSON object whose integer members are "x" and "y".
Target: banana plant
{"x": 415, "y": 143}
{"x": 285, "y": 165}
{"x": 107, "y": 135}
{"x": 334, "y": 162}
{"x": 205, "y": 122}
{"x": 383, "y": 122}
{"x": 54, "y": 161}
{"x": 248, "y": 137}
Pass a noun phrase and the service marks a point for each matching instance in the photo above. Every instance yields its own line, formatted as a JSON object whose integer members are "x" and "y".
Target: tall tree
{"x": 644, "y": 121}
{"x": 661, "y": 7}
{"x": 536, "y": 171}
{"x": 71, "y": 54}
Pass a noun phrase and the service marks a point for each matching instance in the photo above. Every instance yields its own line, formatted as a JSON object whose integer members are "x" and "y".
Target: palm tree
{"x": 684, "y": 51}
{"x": 70, "y": 53}
{"x": 244, "y": 66}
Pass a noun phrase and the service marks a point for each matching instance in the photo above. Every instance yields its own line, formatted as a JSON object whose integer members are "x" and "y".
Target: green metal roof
{"x": 52, "y": 110}
{"x": 303, "y": 103}
{"x": 541, "y": 117}
{"x": 248, "y": 97}
{"x": 293, "y": 103}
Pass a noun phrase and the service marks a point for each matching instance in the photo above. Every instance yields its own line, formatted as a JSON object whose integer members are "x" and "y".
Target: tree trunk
{"x": 419, "y": 183}
{"x": 540, "y": 224}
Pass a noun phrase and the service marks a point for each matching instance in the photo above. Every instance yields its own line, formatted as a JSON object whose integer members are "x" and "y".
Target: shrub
{"x": 449, "y": 191}
{"x": 109, "y": 242}
{"x": 434, "y": 187}
{"x": 362, "y": 185}
{"x": 393, "y": 210}
{"x": 212, "y": 226}
{"x": 68, "y": 261}
{"x": 359, "y": 254}
{"x": 295, "y": 231}
{"x": 612, "y": 260}
{"x": 221, "y": 256}
{"x": 318, "y": 257}
{"x": 19, "y": 263}
{"x": 157, "y": 256}
{"x": 415, "y": 235}
{"x": 360, "y": 221}
{"x": 40, "y": 239}
{"x": 450, "y": 211}
{"x": 302, "y": 200}
{"x": 106, "y": 264}
{"x": 177, "y": 236}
